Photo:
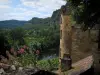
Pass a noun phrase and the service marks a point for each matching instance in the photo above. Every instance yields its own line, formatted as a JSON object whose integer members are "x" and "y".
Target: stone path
{"x": 85, "y": 63}
{"x": 81, "y": 66}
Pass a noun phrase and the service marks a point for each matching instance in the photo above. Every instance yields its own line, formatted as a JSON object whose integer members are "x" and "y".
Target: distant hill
{"x": 53, "y": 20}
{"x": 11, "y": 23}
{"x": 38, "y": 21}
{"x": 41, "y": 22}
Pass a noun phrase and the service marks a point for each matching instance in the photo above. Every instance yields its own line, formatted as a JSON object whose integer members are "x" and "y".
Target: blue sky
{"x": 27, "y": 9}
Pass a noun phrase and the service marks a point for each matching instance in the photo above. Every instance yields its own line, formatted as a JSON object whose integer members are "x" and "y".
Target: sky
{"x": 27, "y": 9}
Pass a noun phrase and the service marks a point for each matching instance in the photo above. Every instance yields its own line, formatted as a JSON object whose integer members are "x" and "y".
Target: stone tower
{"x": 65, "y": 40}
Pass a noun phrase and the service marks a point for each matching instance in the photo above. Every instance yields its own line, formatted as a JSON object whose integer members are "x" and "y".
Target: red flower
{"x": 21, "y": 51}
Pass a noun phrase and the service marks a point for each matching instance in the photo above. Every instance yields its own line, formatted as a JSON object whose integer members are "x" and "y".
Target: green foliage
{"x": 45, "y": 38}
{"x": 11, "y": 23}
{"x": 17, "y": 35}
{"x": 42, "y": 34}
{"x": 51, "y": 64}
{"x": 33, "y": 23}
{"x": 27, "y": 59}
{"x": 4, "y": 38}
{"x": 86, "y": 12}
{"x": 40, "y": 21}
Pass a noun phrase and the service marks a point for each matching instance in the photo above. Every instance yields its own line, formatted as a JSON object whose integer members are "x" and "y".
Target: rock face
{"x": 13, "y": 68}
{"x": 12, "y": 71}
{"x": 20, "y": 68}
{"x": 21, "y": 73}
{"x": 2, "y": 71}
{"x": 26, "y": 72}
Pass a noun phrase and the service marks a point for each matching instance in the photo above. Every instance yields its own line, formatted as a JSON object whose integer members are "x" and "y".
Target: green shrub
{"x": 51, "y": 64}
{"x": 26, "y": 59}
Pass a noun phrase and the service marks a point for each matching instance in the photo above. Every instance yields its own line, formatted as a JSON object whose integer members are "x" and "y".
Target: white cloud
{"x": 26, "y": 14}
{"x": 5, "y": 1}
{"x": 26, "y": 9}
{"x": 44, "y": 5}
{"x": 4, "y": 6}
{"x": 4, "y": 9}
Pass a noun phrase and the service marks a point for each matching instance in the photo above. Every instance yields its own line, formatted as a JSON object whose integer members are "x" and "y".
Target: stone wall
{"x": 83, "y": 43}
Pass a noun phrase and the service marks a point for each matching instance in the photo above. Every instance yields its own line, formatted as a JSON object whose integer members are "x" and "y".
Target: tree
{"x": 4, "y": 45}
{"x": 87, "y": 12}
{"x": 17, "y": 35}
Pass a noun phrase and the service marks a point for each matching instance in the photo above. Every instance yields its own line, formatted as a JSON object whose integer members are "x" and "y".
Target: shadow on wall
{"x": 88, "y": 72}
